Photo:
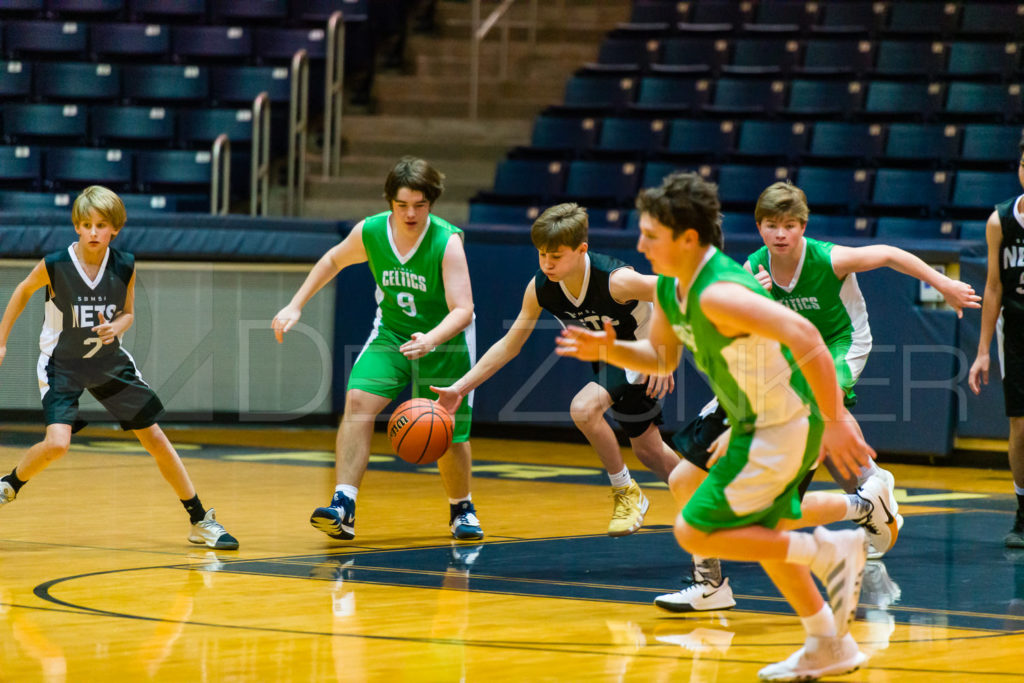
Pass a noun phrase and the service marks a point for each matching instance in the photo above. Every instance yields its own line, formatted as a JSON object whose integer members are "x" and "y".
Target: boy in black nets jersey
{"x": 90, "y": 302}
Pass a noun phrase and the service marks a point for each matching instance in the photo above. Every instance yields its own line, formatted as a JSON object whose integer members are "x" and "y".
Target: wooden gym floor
{"x": 98, "y": 581}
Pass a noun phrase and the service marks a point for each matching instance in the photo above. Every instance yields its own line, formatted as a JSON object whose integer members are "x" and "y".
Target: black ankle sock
{"x": 16, "y": 483}
{"x": 1020, "y": 504}
{"x": 194, "y": 509}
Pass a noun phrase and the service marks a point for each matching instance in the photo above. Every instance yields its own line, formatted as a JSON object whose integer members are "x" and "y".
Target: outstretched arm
{"x": 657, "y": 355}
{"x": 625, "y": 284}
{"x": 459, "y": 296}
{"x": 36, "y": 279}
{"x": 846, "y": 260}
{"x": 735, "y": 311}
{"x": 990, "y": 307}
{"x": 500, "y": 353}
{"x": 346, "y": 253}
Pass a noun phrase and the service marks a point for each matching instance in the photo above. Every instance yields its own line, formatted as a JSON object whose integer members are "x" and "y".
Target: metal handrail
{"x": 259, "y": 168}
{"x": 220, "y": 178}
{"x": 298, "y": 125}
{"x": 334, "y": 92}
{"x": 480, "y": 29}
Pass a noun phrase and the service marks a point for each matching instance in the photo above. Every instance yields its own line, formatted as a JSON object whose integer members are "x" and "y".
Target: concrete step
{"x": 367, "y": 188}
{"x": 458, "y": 171}
{"x": 356, "y": 209}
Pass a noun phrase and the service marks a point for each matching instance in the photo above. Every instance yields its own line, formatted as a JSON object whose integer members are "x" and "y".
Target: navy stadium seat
{"x": 241, "y": 84}
{"x": 602, "y": 92}
{"x": 899, "y": 98}
{"x": 151, "y": 41}
{"x": 841, "y": 226}
{"x": 720, "y": 12}
{"x": 29, "y": 122}
{"x": 988, "y": 100}
{"x": 204, "y": 125}
{"x": 933, "y": 19}
{"x": 566, "y": 133}
{"x": 989, "y": 142}
{"x": 520, "y": 215}
{"x": 19, "y": 7}
{"x": 20, "y": 165}
{"x": 608, "y": 180}
{"x": 972, "y": 230}
{"x": 762, "y": 56}
{"x": 606, "y": 219}
{"x": 922, "y": 142}
{"x": 321, "y": 10}
{"x": 983, "y": 59}
{"x": 55, "y": 38}
{"x": 827, "y": 97}
{"x": 649, "y": 11}
{"x": 281, "y": 44}
{"x": 700, "y": 54}
{"x": 15, "y": 79}
{"x": 529, "y": 178}
{"x": 26, "y": 201}
{"x": 166, "y": 83}
{"x": 742, "y": 185}
{"x": 672, "y": 93}
{"x": 853, "y": 17}
{"x": 149, "y": 203}
{"x": 154, "y": 169}
{"x": 987, "y": 19}
{"x": 177, "y": 9}
{"x": 250, "y": 10}
{"x": 983, "y": 189}
{"x": 701, "y": 137}
{"x": 897, "y": 227}
{"x": 655, "y": 171}
{"x": 202, "y": 43}
{"x": 637, "y": 50}
{"x": 735, "y": 96}
{"x": 77, "y": 81}
{"x": 910, "y": 58}
{"x": 110, "y": 124}
{"x": 640, "y": 135}
{"x": 839, "y": 140}
{"x": 837, "y": 56}
{"x": 781, "y": 139}
{"x": 797, "y": 13}
{"x": 835, "y": 188}
{"x": 738, "y": 223}
{"x": 903, "y": 188}
{"x": 82, "y": 166}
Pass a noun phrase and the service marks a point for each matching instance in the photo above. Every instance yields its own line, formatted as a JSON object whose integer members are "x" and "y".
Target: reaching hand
{"x": 577, "y": 342}
{"x": 718, "y": 447}
{"x": 418, "y": 346}
{"x": 105, "y": 331}
{"x": 845, "y": 446}
{"x": 960, "y": 295}
{"x": 448, "y": 398}
{"x": 763, "y": 277}
{"x": 979, "y": 373}
{"x": 285, "y": 320}
{"x": 659, "y": 385}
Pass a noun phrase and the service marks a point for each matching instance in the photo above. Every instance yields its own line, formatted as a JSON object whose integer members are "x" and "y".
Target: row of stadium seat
{"x": 521, "y": 216}
{"x": 920, "y": 58}
{"x": 215, "y": 11}
{"x": 23, "y": 201}
{"x": 155, "y": 42}
{"x": 156, "y": 83}
{"x": 121, "y": 169}
{"x": 979, "y": 145}
{"x": 867, "y": 17}
{"x": 730, "y": 96}
{"x": 839, "y": 190}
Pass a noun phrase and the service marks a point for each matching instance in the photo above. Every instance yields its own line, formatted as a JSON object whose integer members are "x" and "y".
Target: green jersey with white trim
{"x": 410, "y": 288}
{"x": 755, "y": 378}
{"x": 835, "y": 306}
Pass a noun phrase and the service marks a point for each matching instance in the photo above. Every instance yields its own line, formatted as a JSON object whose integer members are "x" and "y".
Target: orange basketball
{"x": 420, "y": 431}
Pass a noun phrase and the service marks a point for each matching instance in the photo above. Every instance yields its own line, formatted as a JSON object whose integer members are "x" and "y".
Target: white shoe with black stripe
{"x": 839, "y": 565}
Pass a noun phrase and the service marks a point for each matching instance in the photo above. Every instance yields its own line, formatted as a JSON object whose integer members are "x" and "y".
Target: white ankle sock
{"x": 856, "y": 507}
{"x": 802, "y": 548}
{"x": 348, "y": 490}
{"x": 621, "y": 479}
{"x": 456, "y": 501}
{"x": 866, "y": 471}
{"x": 821, "y": 624}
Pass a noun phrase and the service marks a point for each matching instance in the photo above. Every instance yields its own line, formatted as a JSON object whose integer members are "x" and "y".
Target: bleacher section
{"x": 881, "y": 110}
{"x": 132, "y": 93}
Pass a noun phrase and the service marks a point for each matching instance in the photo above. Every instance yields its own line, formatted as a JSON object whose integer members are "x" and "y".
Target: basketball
{"x": 420, "y": 431}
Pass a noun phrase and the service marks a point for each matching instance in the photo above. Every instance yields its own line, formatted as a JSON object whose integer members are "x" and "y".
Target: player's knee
{"x": 56, "y": 445}
{"x": 689, "y": 539}
{"x": 584, "y": 410}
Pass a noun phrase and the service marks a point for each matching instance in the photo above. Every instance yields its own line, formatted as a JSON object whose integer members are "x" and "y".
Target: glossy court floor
{"x": 98, "y": 582}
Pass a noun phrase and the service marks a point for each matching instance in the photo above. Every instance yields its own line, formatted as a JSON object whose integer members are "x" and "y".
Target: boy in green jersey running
{"x": 818, "y": 280}
{"x": 422, "y": 335}
{"x": 774, "y": 376}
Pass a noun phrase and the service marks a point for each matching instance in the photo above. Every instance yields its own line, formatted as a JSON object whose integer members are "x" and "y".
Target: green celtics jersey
{"x": 835, "y": 306}
{"x": 755, "y": 378}
{"x": 410, "y": 288}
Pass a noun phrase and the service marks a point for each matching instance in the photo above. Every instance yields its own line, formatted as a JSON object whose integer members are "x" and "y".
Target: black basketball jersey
{"x": 74, "y": 302}
{"x": 595, "y": 304}
{"x": 1011, "y": 264}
